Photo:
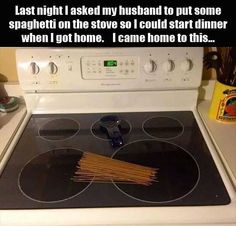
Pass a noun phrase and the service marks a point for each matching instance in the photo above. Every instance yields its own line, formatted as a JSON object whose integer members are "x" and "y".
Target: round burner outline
{"x": 107, "y": 139}
{"x": 53, "y": 201}
{"x": 54, "y": 119}
{"x": 163, "y": 138}
{"x": 166, "y": 201}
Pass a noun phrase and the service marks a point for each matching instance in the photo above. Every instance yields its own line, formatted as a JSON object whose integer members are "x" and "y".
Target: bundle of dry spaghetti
{"x": 97, "y": 168}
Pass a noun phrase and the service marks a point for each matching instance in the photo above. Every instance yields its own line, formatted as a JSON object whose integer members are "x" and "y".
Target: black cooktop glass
{"x": 39, "y": 172}
{"x": 59, "y": 129}
{"x": 49, "y": 175}
{"x": 177, "y": 175}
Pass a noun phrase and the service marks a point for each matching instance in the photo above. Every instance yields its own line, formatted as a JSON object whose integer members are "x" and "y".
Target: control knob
{"x": 168, "y": 66}
{"x": 150, "y": 66}
{"x": 186, "y": 65}
{"x": 33, "y": 68}
{"x": 52, "y": 68}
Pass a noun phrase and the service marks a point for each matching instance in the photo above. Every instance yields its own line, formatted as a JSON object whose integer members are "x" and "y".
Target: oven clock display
{"x": 110, "y": 63}
{"x": 110, "y": 67}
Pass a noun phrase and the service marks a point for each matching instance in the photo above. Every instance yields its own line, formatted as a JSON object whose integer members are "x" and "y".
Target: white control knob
{"x": 52, "y": 68}
{"x": 186, "y": 65}
{"x": 150, "y": 66}
{"x": 33, "y": 68}
{"x": 168, "y": 66}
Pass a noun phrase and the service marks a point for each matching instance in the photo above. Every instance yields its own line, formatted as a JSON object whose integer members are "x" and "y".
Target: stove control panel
{"x": 109, "y": 69}
{"x": 112, "y": 67}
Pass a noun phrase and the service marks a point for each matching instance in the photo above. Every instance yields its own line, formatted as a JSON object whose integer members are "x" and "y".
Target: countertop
{"x": 223, "y": 135}
{"x": 10, "y": 122}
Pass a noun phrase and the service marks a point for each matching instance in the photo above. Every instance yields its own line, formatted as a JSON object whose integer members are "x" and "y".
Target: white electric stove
{"x": 148, "y": 97}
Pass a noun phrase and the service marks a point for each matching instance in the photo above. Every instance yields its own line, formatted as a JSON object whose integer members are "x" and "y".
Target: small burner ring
{"x": 59, "y": 129}
{"x": 162, "y": 127}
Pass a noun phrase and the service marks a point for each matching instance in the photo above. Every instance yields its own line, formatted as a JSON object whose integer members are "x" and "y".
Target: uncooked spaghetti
{"x": 98, "y": 168}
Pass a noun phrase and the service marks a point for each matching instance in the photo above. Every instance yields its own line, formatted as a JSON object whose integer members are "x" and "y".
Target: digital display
{"x": 110, "y": 63}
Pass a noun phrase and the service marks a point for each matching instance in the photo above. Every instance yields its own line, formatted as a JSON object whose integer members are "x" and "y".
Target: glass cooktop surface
{"x": 40, "y": 171}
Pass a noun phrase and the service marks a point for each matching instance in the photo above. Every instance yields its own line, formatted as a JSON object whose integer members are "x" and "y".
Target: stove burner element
{"x": 178, "y": 173}
{"x": 59, "y": 129}
{"x": 47, "y": 177}
{"x": 163, "y": 127}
